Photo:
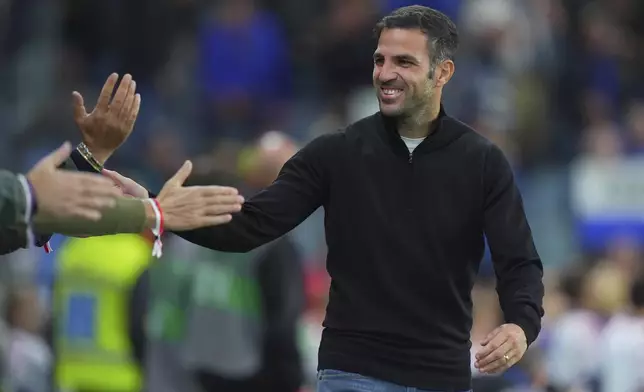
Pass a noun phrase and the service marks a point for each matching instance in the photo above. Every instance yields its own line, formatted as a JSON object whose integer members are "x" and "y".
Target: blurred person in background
{"x": 29, "y": 357}
{"x": 266, "y": 355}
{"x": 635, "y": 127}
{"x": 242, "y": 93}
{"x": 346, "y": 39}
{"x": 573, "y": 354}
{"x": 93, "y": 341}
{"x": 230, "y": 320}
{"x": 621, "y": 346}
{"x": 595, "y": 294}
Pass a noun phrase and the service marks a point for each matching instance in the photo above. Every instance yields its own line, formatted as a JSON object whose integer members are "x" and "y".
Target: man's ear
{"x": 443, "y": 73}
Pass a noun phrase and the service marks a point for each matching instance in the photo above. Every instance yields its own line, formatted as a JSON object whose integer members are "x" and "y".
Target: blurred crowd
{"x": 237, "y": 86}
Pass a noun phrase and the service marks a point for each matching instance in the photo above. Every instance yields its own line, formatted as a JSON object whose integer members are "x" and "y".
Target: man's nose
{"x": 387, "y": 73}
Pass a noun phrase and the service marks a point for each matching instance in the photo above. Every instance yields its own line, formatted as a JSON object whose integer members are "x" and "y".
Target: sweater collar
{"x": 444, "y": 133}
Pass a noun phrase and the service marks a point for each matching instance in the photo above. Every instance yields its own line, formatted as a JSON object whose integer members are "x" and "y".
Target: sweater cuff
{"x": 81, "y": 163}
{"x": 531, "y": 325}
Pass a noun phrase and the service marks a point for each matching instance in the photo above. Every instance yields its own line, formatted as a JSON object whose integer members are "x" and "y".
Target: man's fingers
{"x": 214, "y": 220}
{"x": 98, "y": 203}
{"x": 134, "y": 111}
{"x": 57, "y": 157}
{"x": 220, "y": 209}
{"x": 79, "y": 106}
{"x": 88, "y": 185}
{"x": 103, "y": 103}
{"x": 224, "y": 200}
{"x": 116, "y": 177}
{"x": 124, "y": 113}
{"x": 495, "y": 355}
{"x": 97, "y": 194}
{"x": 218, "y": 190}
{"x": 121, "y": 94}
{"x": 182, "y": 175}
{"x": 500, "y": 360}
{"x": 102, "y": 187}
{"x": 490, "y": 336}
{"x": 493, "y": 345}
{"x": 127, "y": 185}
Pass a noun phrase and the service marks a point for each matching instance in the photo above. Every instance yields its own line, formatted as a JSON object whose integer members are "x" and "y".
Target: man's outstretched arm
{"x": 298, "y": 191}
{"x": 47, "y": 190}
{"x": 300, "y": 188}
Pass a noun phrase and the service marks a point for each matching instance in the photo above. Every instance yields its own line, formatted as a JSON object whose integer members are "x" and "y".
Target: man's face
{"x": 401, "y": 72}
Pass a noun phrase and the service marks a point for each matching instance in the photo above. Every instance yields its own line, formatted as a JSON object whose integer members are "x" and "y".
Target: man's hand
{"x": 64, "y": 194}
{"x": 128, "y": 186}
{"x": 112, "y": 120}
{"x": 187, "y": 208}
{"x": 502, "y": 348}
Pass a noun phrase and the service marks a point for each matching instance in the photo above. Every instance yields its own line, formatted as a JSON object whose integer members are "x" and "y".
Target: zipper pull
{"x": 411, "y": 157}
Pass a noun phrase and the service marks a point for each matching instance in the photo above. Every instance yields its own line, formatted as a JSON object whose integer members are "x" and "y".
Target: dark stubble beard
{"x": 418, "y": 112}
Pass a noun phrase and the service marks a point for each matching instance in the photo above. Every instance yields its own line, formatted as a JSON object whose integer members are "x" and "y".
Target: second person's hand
{"x": 186, "y": 208}
{"x": 63, "y": 194}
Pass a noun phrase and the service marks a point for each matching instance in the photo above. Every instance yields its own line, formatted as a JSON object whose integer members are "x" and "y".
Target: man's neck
{"x": 419, "y": 125}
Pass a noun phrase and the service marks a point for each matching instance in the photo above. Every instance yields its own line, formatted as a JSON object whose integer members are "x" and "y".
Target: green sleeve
{"x": 11, "y": 240}
{"x": 13, "y": 200}
{"x": 128, "y": 216}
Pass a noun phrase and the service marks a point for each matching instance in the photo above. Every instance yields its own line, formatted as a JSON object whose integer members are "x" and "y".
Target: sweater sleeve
{"x": 517, "y": 265}
{"x": 300, "y": 188}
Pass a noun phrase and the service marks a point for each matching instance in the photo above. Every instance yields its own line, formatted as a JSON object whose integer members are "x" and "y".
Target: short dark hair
{"x": 439, "y": 28}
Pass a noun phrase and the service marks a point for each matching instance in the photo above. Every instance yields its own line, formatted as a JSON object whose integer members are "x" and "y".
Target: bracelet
{"x": 34, "y": 201}
{"x": 32, "y": 207}
{"x": 157, "y": 231}
{"x": 87, "y": 155}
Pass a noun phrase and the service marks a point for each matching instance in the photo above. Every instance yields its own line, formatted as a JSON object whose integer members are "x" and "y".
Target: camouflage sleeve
{"x": 14, "y": 200}
{"x": 15, "y": 213}
{"x": 129, "y": 216}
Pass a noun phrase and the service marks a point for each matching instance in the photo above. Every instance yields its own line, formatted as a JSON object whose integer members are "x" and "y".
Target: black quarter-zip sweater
{"x": 405, "y": 236}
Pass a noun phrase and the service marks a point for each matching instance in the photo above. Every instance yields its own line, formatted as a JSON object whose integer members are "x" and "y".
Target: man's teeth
{"x": 391, "y": 91}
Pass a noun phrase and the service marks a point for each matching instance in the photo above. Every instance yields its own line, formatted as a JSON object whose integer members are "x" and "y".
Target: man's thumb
{"x": 58, "y": 157}
{"x": 182, "y": 175}
{"x": 79, "y": 106}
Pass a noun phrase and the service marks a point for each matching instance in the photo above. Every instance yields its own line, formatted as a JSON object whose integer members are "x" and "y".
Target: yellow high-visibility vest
{"x": 91, "y": 295}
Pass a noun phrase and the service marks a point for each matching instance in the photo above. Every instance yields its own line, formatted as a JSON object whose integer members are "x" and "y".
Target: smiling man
{"x": 409, "y": 195}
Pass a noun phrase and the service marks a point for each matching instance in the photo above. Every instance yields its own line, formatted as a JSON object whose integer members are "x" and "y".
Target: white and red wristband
{"x": 157, "y": 231}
